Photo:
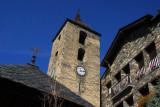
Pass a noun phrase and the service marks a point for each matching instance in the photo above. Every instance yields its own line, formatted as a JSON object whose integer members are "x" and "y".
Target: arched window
{"x": 82, "y": 37}
{"x": 81, "y": 53}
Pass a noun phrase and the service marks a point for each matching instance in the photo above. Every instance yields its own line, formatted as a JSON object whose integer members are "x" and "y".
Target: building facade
{"x": 75, "y": 60}
{"x": 132, "y": 63}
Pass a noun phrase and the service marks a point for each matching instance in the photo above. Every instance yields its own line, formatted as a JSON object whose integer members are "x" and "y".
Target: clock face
{"x": 81, "y": 71}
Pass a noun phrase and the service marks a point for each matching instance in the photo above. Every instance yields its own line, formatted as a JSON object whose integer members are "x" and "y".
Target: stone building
{"x": 75, "y": 60}
{"x": 132, "y": 63}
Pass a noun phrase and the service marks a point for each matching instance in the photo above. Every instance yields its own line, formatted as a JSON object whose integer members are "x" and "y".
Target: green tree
{"x": 155, "y": 100}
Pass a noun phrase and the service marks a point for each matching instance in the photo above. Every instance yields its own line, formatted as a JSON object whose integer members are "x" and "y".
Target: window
{"x": 82, "y": 37}
{"x": 126, "y": 69}
{"x": 130, "y": 101}
{"x": 151, "y": 50}
{"x": 59, "y": 37}
{"x": 108, "y": 85}
{"x": 144, "y": 90}
{"x": 81, "y": 53}
{"x": 140, "y": 60}
{"x": 52, "y": 74}
{"x": 118, "y": 76}
{"x": 56, "y": 53}
{"x": 155, "y": 81}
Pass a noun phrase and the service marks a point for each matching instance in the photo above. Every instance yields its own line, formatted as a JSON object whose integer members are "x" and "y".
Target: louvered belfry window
{"x": 81, "y": 53}
{"x": 82, "y": 37}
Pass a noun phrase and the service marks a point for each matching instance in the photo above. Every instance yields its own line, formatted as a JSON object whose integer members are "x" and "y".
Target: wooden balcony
{"x": 121, "y": 85}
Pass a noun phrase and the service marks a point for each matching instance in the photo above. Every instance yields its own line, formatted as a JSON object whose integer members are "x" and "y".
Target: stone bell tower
{"x": 75, "y": 59}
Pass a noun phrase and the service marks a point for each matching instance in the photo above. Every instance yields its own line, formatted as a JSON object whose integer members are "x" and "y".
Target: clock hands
{"x": 81, "y": 71}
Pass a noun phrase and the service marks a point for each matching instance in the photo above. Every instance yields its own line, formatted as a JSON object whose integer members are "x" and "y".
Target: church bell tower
{"x": 75, "y": 59}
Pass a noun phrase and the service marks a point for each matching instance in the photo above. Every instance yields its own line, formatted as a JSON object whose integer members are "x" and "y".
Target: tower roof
{"x": 78, "y": 23}
{"x": 78, "y": 20}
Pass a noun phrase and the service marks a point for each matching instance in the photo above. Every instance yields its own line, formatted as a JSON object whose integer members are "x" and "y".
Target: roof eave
{"x": 148, "y": 16}
{"x": 156, "y": 17}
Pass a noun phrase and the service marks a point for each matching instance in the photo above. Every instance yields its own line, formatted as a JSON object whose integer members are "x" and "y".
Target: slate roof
{"x": 28, "y": 75}
{"x": 33, "y": 77}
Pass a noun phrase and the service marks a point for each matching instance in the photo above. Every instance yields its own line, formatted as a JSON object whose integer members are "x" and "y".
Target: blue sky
{"x": 27, "y": 23}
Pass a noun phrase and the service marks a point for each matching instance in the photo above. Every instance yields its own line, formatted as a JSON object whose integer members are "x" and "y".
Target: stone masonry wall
{"x": 136, "y": 44}
{"x": 88, "y": 86}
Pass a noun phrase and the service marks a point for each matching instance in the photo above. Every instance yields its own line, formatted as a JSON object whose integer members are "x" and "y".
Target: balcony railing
{"x": 121, "y": 85}
{"x": 153, "y": 64}
{"x": 141, "y": 73}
